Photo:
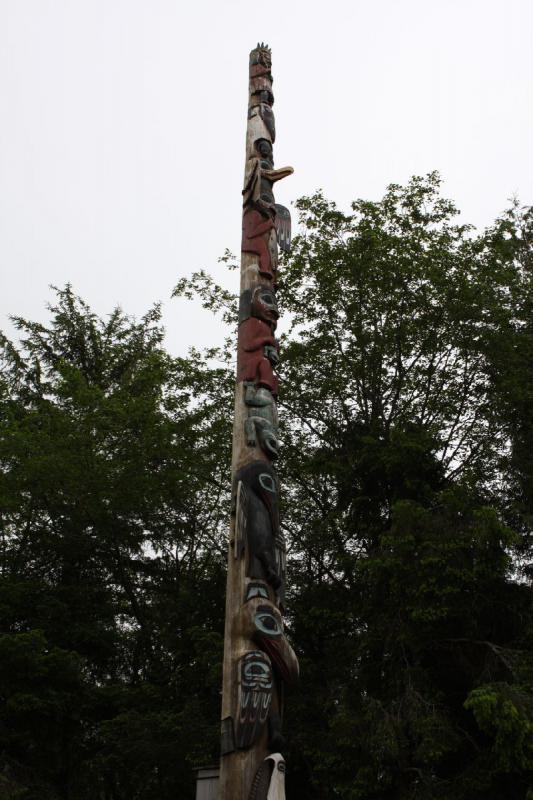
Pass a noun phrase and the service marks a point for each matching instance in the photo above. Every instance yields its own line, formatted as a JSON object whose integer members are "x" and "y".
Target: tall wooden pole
{"x": 258, "y": 660}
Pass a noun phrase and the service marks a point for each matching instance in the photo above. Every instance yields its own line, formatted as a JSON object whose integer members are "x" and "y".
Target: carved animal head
{"x": 260, "y": 620}
{"x": 265, "y": 305}
{"x": 268, "y": 437}
{"x": 261, "y": 304}
{"x": 261, "y": 54}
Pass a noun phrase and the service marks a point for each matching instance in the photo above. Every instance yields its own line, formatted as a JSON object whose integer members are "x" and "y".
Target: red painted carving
{"x": 252, "y": 363}
{"x": 255, "y": 238}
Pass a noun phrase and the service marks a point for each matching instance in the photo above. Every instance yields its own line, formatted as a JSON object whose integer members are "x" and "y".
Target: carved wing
{"x": 283, "y": 227}
{"x": 261, "y": 782}
{"x": 269, "y": 781}
{"x": 241, "y": 516}
{"x": 254, "y": 697}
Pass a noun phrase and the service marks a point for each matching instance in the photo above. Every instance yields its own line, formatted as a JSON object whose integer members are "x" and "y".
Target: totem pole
{"x": 258, "y": 660}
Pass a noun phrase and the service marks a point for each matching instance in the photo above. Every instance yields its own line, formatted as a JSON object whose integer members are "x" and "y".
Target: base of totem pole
{"x": 207, "y": 783}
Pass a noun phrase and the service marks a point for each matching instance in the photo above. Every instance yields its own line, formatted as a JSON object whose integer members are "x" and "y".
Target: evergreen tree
{"x": 406, "y": 414}
{"x": 114, "y": 498}
{"x": 406, "y": 419}
{"x": 407, "y": 505}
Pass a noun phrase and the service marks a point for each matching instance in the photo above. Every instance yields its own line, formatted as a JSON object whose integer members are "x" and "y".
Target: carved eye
{"x": 267, "y": 482}
{"x": 268, "y": 300}
{"x": 267, "y": 623}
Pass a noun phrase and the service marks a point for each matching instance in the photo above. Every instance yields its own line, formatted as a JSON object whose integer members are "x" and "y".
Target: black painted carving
{"x": 261, "y": 782}
{"x": 263, "y": 536}
{"x": 255, "y": 696}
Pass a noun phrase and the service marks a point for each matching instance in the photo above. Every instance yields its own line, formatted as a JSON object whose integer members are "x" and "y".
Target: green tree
{"x": 405, "y": 478}
{"x": 113, "y": 500}
{"x": 406, "y": 474}
{"x": 410, "y": 614}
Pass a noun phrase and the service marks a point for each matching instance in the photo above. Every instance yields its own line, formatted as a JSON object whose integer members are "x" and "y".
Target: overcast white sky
{"x": 122, "y": 127}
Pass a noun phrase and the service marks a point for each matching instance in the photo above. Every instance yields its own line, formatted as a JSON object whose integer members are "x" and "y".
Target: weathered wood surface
{"x": 255, "y": 547}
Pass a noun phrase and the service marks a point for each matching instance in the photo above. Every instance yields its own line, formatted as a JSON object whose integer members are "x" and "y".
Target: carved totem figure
{"x": 260, "y": 176}
{"x": 259, "y": 205}
{"x": 256, "y": 229}
{"x": 262, "y": 535}
{"x": 263, "y": 112}
{"x": 261, "y": 621}
{"x": 262, "y": 424}
{"x": 258, "y": 659}
{"x": 257, "y": 352}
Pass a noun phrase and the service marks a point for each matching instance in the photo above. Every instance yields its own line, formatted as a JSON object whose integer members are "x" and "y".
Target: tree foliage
{"x": 113, "y": 501}
{"x": 406, "y": 410}
{"x": 407, "y": 504}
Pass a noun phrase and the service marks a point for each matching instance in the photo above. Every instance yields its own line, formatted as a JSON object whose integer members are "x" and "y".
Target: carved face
{"x": 264, "y": 305}
{"x": 264, "y": 149}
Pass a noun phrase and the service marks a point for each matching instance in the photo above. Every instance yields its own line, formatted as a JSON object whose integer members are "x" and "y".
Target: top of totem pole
{"x": 262, "y": 54}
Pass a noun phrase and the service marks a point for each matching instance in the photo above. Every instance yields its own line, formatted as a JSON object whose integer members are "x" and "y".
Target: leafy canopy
{"x": 407, "y": 505}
